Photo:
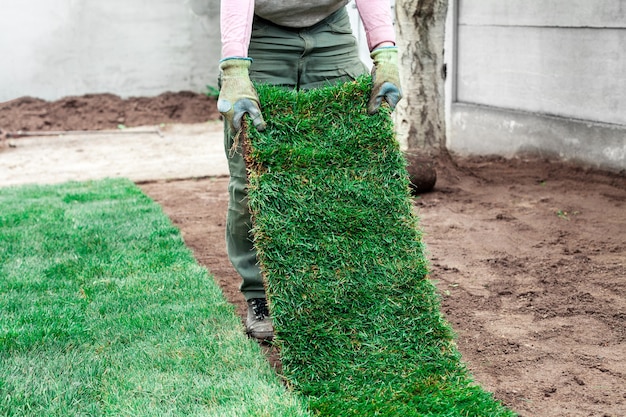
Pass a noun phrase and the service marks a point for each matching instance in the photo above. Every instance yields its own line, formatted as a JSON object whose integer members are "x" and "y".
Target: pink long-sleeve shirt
{"x": 236, "y": 19}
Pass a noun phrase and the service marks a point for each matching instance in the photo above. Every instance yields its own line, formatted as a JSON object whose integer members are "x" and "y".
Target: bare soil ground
{"x": 529, "y": 256}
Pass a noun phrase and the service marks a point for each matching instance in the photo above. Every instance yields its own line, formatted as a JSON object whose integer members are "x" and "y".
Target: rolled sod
{"x": 357, "y": 320}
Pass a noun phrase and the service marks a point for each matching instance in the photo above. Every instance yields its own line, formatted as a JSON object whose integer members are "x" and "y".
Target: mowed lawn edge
{"x": 357, "y": 320}
{"x": 104, "y": 311}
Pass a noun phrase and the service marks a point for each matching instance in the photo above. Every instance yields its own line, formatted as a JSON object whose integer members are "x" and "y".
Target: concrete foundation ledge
{"x": 482, "y": 130}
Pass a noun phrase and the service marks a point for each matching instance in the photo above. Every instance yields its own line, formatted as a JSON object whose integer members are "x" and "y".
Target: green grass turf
{"x": 104, "y": 312}
{"x": 357, "y": 321}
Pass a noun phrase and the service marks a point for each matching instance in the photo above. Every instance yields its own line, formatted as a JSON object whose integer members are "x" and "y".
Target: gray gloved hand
{"x": 386, "y": 79}
{"x": 237, "y": 94}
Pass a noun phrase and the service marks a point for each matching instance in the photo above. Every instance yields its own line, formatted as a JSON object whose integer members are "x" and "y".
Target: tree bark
{"x": 420, "y": 115}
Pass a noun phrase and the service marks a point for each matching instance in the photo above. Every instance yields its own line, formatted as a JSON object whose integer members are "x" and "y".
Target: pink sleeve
{"x": 236, "y": 26}
{"x": 377, "y": 20}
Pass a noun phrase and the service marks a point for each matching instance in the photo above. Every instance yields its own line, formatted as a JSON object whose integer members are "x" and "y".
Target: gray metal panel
{"x": 570, "y": 72}
{"x": 560, "y": 13}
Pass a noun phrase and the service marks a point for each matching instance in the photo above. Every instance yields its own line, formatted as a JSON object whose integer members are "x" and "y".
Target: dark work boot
{"x": 259, "y": 323}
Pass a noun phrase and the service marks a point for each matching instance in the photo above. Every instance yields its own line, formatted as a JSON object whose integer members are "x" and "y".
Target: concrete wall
{"x": 55, "y": 48}
{"x": 543, "y": 75}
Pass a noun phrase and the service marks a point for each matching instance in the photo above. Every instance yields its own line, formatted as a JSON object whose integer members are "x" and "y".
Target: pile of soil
{"x": 529, "y": 256}
{"x": 105, "y": 111}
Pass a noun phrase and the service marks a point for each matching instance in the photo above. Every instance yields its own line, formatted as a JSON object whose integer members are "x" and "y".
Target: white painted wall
{"x": 56, "y": 48}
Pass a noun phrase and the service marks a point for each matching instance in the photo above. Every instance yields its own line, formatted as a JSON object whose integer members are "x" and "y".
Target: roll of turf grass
{"x": 357, "y": 320}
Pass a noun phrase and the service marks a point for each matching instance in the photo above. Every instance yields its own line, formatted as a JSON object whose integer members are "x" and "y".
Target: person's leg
{"x": 239, "y": 243}
{"x": 282, "y": 49}
{"x": 326, "y": 53}
{"x": 323, "y": 54}
{"x": 332, "y": 55}
{"x": 238, "y": 223}
{"x": 276, "y": 53}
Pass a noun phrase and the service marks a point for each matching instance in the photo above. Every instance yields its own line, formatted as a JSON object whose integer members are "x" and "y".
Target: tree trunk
{"x": 420, "y": 115}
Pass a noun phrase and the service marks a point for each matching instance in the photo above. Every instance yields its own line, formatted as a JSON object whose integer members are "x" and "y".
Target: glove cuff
{"x": 385, "y": 54}
{"x": 235, "y": 66}
{"x": 228, "y": 58}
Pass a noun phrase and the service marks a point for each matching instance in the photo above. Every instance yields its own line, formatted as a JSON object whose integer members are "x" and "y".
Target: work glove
{"x": 237, "y": 94}
{"x": 385, "y": 77}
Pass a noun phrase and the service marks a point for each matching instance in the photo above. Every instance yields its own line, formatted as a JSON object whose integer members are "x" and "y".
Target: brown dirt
{"x": 104, "y": 111}
{"x": 529, "y": 256}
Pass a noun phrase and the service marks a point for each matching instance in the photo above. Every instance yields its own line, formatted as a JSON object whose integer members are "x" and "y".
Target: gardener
{"x": 296, "y": 44}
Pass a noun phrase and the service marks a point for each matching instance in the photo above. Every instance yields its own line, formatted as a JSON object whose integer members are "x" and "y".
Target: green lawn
{"x": 357, "y": 320}
{"x": 104, "y": 311}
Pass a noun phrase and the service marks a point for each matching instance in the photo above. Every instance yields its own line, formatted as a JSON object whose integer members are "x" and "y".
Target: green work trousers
{"x": 306, "y": 58}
